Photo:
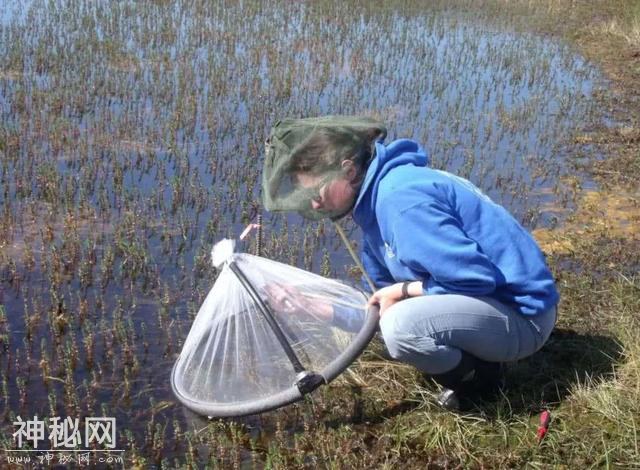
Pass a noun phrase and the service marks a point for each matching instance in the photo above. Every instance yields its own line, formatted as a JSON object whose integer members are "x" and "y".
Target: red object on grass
{"x": 545, "y": 419}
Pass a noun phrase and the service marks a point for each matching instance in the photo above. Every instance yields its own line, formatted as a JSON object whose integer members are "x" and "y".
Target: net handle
{"x": 282, "y": 339}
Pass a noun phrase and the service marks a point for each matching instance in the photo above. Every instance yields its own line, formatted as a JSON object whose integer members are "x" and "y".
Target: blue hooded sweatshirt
{"x": 422, "y": 224}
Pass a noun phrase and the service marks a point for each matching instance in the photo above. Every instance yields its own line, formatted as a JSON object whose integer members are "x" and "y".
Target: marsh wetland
{"x": 131, "y": 140}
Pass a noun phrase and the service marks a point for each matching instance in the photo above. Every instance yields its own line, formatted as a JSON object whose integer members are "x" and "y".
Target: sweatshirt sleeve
{"x": 378, "y": 273}
{"x": 429, "y": 239}
{"x": 347, "y": 318}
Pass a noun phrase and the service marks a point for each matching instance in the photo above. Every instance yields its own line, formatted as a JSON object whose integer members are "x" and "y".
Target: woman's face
{"x": 336, "y": 195}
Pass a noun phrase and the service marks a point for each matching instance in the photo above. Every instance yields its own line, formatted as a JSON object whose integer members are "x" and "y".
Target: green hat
{"x": 316, "y": 146}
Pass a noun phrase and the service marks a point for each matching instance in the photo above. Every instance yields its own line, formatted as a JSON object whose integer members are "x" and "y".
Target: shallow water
{"x": 131, "y": 139}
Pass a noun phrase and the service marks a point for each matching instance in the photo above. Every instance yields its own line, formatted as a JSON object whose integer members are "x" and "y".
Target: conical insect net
{"x": 260, "y": 326}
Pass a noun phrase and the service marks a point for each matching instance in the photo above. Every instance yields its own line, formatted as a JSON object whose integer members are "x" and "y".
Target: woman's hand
{"x": 387, "y": 296}
{"x": 288, "y": 300}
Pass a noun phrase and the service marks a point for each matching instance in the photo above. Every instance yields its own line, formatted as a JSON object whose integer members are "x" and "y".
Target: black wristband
{"x": 405, "y": 290}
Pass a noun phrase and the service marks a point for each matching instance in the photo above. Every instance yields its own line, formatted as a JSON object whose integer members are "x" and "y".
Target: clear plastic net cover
{"x": 232, "y": 353}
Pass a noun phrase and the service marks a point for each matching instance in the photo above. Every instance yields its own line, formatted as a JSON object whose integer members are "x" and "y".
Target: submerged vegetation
{"x": 131, "y": 140}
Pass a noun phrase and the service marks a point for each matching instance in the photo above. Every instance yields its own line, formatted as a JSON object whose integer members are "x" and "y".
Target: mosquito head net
{"x": 303, "y": 156}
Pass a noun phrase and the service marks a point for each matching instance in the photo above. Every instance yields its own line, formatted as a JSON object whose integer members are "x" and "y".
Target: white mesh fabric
{"x": 232, "y": 355}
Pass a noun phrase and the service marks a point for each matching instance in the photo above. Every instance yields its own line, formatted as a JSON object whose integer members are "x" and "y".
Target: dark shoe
{"x": 471, "y": 380}
{"x": 449, "y": 400}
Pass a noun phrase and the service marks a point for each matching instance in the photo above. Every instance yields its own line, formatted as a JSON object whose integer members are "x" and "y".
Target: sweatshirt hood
{"x": 399, "y": 152}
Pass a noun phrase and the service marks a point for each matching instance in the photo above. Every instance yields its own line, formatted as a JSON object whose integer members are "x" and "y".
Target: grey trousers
{"x": 429, "y": 332}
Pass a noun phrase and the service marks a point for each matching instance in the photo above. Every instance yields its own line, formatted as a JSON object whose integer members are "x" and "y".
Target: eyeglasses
{"x": 314, "y": 193}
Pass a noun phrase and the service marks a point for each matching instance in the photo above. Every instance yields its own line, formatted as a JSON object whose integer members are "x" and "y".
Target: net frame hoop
{"x": 289, "y": 395}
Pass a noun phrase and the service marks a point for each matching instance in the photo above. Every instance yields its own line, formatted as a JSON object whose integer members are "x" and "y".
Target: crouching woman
{"x": 462, "y": 286}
